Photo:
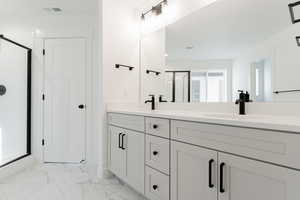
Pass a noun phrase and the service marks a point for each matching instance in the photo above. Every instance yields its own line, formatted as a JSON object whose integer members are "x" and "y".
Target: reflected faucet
{"x": 152, "y": 101}
{"x": 243, "y": 99}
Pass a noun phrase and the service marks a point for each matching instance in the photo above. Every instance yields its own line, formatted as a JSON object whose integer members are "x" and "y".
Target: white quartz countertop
{"x": 278, "y": 123}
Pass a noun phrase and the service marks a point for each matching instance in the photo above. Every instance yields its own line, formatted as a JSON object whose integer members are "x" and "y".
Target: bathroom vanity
{"x": 176, "y": 156}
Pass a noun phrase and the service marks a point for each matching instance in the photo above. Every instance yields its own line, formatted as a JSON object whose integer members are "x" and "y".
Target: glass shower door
{"x": 15, "y": 64}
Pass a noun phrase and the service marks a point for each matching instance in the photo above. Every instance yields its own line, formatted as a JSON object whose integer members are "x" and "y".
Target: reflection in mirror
{"x": 212, "y": 53}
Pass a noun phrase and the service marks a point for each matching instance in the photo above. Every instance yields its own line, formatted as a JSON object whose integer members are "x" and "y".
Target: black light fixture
{"x": 292, "y": 12}
{"x": 298, "y": 40}
{"x": 157, "y": 9}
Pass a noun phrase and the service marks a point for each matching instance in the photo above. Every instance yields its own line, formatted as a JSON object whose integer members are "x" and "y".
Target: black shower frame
{"x": 29, "y": 65}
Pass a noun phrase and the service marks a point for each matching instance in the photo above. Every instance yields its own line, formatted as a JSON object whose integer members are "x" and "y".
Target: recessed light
{"x": 53, "y": 10}
{"x": 189, "y": 47}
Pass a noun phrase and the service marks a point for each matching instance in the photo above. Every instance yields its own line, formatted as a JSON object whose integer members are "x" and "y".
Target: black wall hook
{"x": 151, "y": 71}
{"x": 126, "y": 66}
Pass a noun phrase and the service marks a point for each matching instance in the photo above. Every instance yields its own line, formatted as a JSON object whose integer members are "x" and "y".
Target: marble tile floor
{"x": 62, "y": 182}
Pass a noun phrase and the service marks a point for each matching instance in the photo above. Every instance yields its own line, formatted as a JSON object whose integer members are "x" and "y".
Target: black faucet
{"x": 161, "y": 99}
{"x": 243, "y": 99}
{"x": 152, "y": 101}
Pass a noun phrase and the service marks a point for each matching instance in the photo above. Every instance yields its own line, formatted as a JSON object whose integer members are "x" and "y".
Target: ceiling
{"x": 226, "y": 28}
{"x": 35, "y": 7}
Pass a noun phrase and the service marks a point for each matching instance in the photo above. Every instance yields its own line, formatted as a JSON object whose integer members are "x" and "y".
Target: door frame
{"x": 174, "y": 84}
{"x": 87, "y": 99}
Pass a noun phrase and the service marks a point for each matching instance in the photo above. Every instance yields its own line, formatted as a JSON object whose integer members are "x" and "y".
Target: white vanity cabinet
{"x": 199, "y": 172}
{"x": 167, "y": 159}
{"x": 246, "y": 179}
{"x": 193, "y": 172}
{"x": 127, "y": 155}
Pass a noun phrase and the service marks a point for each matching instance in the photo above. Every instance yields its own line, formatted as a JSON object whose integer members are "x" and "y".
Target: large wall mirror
{"x": 212, "y": 53}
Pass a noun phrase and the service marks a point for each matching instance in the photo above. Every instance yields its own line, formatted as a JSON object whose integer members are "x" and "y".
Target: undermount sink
{"x": 233, "y": 116}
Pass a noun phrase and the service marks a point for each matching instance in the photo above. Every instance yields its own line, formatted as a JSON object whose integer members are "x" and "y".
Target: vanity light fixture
{"x": 298, "y": 40}
{"x": 157, "y": 9}
{"x": 292, "y": 12}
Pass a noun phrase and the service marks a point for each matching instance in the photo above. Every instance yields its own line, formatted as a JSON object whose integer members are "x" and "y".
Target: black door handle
{"x": 222, "y": 166}
{"x": 81, "y": 106}
{"x": 210, "y": 181}
{"x": 155, "y": 187}
{"x": 122, "y": 147}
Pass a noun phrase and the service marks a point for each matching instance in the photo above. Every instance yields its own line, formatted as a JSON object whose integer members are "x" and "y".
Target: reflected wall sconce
{"x": 292, "y": 12}
{"x": 298, "y": 40}
{"x": 157, "y": 9}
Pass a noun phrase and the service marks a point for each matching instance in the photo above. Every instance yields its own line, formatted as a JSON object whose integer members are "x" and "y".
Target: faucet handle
{"x": 151, "y": 95}
{"x": 241, "y": 91}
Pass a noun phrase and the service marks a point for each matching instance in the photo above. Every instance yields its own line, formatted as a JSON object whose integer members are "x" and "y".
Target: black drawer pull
{"x": 155, "y": 153}
{"x": 155, "y": 187}
{"x": 210, "y": 181}
{"x": 155, "y": 126}
{"x": 222, "y": 166}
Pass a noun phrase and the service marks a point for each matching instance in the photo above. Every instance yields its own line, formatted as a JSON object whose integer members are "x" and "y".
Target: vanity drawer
{"x": 157, "y": 185}
{"x": 266, "y": 145}
{"x": 158, "y": 127}
{"x": 158, "y": 153}
{"x": 127, "y": 121}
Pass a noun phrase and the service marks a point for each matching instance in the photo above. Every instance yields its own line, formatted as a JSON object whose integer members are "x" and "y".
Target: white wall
{"x": 282, "y": 53}
{"x": 120, "y": 36}
{"x": 175, "y": 10}
{"x": 153, "y": 58}
{"x": 30, "y": 31}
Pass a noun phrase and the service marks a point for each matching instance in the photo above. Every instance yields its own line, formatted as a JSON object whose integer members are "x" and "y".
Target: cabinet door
{"x": 193, "y": 172}
{"x": 134, "y": 144}
{"x": 245, "y": 179}
{"x": 117, "y": 154}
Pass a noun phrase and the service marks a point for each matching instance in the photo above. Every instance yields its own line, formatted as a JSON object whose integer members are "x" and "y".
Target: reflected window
{"x": 209, "y": 86}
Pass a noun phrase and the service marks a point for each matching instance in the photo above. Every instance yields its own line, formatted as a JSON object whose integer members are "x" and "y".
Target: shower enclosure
{"x": 15, "y": 101}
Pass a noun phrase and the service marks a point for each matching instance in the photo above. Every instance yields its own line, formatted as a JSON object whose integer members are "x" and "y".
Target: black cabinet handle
{"x": 155, "y": 126}
{"x": 155, "y": 187}
{"x": 155, "y": 153}
{"x": 122, "y": 147}
{"x": 222, "y": 166}
{"x": 81, "y": 106}
{"x": 210, "y": 181}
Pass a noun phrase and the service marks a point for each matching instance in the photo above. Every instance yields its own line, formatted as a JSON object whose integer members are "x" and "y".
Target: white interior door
{"x": 65, "y": 100}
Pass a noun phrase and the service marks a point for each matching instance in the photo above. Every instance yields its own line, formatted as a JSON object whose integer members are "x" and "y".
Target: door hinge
{"x": 44, "y": 52}
{"x": 43, "y": 142}
{"x": 43, "y": 97}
